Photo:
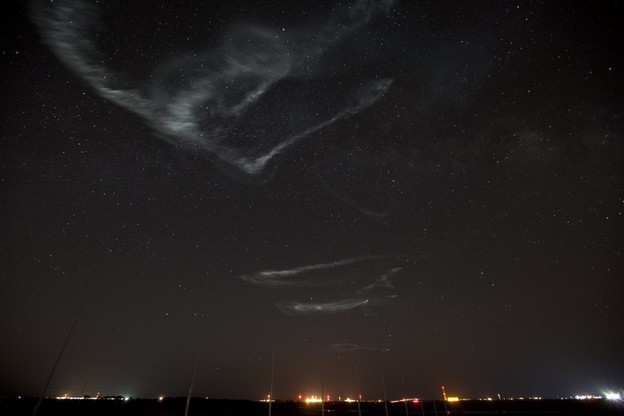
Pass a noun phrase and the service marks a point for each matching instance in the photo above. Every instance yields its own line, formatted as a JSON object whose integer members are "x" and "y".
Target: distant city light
{"x": 606, "y": 395}
{"x": 407, "y": 399}
{"x": 613, "y": 396}
{"x": 312, "y": 399}
{"x": 610, "y": 396}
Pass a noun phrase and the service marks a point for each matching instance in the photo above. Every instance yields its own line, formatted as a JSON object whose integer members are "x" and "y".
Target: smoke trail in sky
{"x": 327, "y": 308}
{"x": 227, "y": 107}
{"x": 383, "y": 282}
{"x": 355, "y": 282}
{"x": 288, "y": 277}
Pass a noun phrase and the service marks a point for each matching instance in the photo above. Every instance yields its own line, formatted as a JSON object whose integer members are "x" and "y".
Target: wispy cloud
{"x": 327, "y": 308}
{"x": 197, "y": 108}
{"x": 355, "y": 282}
{"x": 288, "y": 277}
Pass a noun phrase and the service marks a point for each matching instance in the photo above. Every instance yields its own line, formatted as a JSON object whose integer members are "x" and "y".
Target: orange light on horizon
{"x": 313, "y": 399}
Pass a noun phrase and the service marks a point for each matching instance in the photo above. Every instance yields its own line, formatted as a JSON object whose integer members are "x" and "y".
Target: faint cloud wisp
{"x": 223, "y": 100}
{"x": 353, "y": 283}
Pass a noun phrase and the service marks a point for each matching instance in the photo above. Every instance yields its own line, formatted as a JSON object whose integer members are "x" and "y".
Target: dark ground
{"x": 200, "y": 407}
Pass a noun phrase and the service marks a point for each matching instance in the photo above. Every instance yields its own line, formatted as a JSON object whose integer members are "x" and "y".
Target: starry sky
{"x": 432, "y": 190}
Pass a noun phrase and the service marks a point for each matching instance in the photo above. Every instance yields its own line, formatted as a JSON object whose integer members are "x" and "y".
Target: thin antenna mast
{"x": 444, "y": 400}
{"x": 357, "y": 386}
{"x": 383, "y": 384}
{"x": 58, "y": 359}
{"x": 190, "y": 392}
{"x": 272, "y": 374}
{"x": 322, "y": 389}
{"x": 405, "y": 398}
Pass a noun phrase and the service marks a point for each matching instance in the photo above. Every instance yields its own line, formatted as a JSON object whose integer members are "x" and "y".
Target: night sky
{"x": 432, "y": 190}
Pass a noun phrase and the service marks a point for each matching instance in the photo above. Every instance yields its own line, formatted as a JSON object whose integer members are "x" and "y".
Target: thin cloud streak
{"x": 353, "y": 279}
{"x": 327, "y": 308}
{"x": 273, "y": 278}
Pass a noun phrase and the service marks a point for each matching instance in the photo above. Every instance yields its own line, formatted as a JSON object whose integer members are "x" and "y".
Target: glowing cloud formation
{"x": 227, "y": 101}
{"x": 354, "y": 282}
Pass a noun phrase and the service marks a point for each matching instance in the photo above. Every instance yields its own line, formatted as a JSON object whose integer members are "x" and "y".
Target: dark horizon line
{"x": 379, "y": 400}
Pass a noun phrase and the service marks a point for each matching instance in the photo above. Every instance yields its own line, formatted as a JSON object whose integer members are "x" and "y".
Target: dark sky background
{"x": 428, "y": 189}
